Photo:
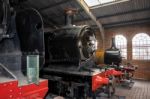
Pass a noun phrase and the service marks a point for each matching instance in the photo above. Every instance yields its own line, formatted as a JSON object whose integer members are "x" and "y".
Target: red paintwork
{"x": 98, "y": 81}
{"x": 102, "y": 79}
{"x": 10, "y": 90}
{"x": 111, "y": 72}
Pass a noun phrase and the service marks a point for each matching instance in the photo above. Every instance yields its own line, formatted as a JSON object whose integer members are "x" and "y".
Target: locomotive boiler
{"x": 69, "y": 62}
{"x": 71, "y": 46}
{"x": 112, "y": 55}
{"x": 21, "y": 35}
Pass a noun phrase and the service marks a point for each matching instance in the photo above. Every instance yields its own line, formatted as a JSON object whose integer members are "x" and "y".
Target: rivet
{"x": 10, "y": 96}
{"x": 10, "y": 90}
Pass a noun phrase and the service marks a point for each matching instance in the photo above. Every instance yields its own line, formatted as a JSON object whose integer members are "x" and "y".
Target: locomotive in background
{"x": 21, "y": 35}
{"x": 111, "y": 58}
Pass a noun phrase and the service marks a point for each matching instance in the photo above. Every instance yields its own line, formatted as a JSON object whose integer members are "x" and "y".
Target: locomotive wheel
{"x": 94, "y": 96}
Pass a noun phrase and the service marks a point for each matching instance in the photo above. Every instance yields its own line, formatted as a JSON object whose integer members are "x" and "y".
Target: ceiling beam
{"x": 90, "y": 14}
{"x": 125, "y": 23}
{"x": 128, "y": 22}
{"x": 54, "y": 5}
{"x": 126, "y": 12}
{"x": 117, "y": 14}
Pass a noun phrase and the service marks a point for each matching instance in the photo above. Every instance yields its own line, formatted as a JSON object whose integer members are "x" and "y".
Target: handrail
{"x": 7, "y": 70}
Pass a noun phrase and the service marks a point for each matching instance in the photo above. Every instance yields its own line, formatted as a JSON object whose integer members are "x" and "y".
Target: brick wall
{"x": 143, "y": 71}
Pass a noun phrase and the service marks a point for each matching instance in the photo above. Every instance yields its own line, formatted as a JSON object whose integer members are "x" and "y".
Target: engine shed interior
{"x": 74, "y": 49}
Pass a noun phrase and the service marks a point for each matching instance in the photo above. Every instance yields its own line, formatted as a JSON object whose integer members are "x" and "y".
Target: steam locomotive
{"x": 20, "y": 31}
{"x": 70, "y": 67}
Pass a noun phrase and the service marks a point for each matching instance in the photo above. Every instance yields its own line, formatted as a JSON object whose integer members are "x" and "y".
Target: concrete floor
{"x": 140, "y": 90}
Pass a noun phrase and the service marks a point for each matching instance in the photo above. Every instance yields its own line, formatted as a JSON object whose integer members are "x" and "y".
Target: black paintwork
{"x": 112, "y": 55}
{"x": 24, "y": 36}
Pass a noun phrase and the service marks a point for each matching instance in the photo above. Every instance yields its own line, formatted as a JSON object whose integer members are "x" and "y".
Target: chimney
{"x": 70, "y": 12}
{"x": 113, "y": 46}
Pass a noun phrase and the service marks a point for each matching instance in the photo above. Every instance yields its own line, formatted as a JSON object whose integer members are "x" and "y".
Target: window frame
{"x": 141, "y": 48}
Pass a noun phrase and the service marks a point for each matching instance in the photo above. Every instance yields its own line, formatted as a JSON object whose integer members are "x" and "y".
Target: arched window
{"x": 141, "y": 47}
{"x": 121, "y": 43}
